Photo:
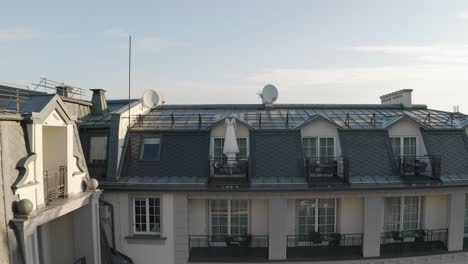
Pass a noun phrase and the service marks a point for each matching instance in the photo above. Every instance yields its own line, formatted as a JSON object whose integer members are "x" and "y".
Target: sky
{"x": 215, "y": 51}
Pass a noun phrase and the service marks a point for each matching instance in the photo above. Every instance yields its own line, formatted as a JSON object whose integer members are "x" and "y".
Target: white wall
{"x": 56, "y": 240}
{"x": 350, "y": 215}
{"x": 143, "y": 251}
{"x": 435, "y": 212}
{"x": 291, "y": 222}
{"x": 259, "y": 219}
{"x": 322, "y": 128}
{"x": 409, "y": 128}
{"x": 198, "y": 217}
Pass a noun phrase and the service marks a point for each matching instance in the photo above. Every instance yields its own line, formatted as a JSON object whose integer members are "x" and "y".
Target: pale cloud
{"x": 426, "y": 53}
{"x": 116, "y": 32}
{"x": 17, "y": 34}
{"x": 154, "y": 45}
{"x": 463, "y": 15}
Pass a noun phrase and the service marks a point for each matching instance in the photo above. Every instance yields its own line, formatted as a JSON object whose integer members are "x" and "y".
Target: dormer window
{"x": 319, "y": 147}
{"x": 150, "y": 149}
{"x": 97, "y": 149}
{"x": 404, "y": 146}
{"x": 218, "y": 148}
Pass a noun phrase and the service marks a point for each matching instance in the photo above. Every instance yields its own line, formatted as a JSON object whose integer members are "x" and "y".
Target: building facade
{"x": 49, "y": 209}
{"x": 380, "y": 183}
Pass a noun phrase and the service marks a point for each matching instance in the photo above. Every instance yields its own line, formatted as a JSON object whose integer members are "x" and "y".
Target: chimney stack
{"x": 99, "y": 102}
{"x": 402, "y": 97}
{"x": 65, "y": 91}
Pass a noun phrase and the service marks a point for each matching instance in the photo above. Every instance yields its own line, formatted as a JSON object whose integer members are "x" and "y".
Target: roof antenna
{"x": 129, "y": 75}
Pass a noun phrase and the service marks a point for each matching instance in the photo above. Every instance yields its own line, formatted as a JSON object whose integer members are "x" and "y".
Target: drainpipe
{"x": 111, "y": 206}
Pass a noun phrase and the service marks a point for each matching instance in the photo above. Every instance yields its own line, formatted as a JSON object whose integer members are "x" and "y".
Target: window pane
{"x": 410, "y": 213}
{"x": 140, "y": 215}
{"x": 305, "y": 217}
{"x": 326, "y": 216}
{"x": 154, "y": 215}
{"x": 242, "y": 143}
{"x": 98, "y": 149}
{"x": 310, "y": 147}
{"x": 409, "y": 146}
{"x": 396, "y": 146}
{"x": 219, "y": 219}
{"x": 150, "y": 149}
{"x": 239, "y": 217}
{"x": 392, "y": 214}
{"x": 218, "y": 148}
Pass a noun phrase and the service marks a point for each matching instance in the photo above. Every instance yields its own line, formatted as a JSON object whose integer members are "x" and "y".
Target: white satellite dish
{"x": 151, "y": 98}
{"x": 269, "y": 94}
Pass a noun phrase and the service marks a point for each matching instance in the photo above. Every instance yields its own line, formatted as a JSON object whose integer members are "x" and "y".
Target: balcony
{"x": 413, "y": 242}
{"x": 227, "y": 249}
{"x": 54, "y": 183}
{"x": 229, "y": 174}
{"x": 318, "y": 246}
{"x": 326, "y": 170}
{"x": 422, "y": 168}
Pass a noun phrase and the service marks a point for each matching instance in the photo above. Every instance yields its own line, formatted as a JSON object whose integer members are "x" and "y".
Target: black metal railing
{"x": 54, "y": 183}
{"x": 413, "y": 242}
{"x": 226, "y": 248}
{"x": 324, "y": 246}
{"x": 415, "y": 166}
{"x": 326, "y": 168}
{"x": 223, "y": 167}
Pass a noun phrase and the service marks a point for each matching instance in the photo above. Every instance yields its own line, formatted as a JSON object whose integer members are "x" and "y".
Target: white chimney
{"x": 399, "y": 97}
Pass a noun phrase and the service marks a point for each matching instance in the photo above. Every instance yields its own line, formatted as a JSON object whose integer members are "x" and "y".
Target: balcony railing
{"x": 411, "y": 167}
{"x": 413, "y": 242}
{"x": 228, "y": 248}
{"x": 54, "y": 183}
{"x": 323, "y": 170}
{"x": 229, "y": 172}
{"x": 316, "y": 246}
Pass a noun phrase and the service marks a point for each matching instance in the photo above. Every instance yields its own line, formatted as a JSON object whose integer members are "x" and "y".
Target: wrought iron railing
{"x": 326, "y": 167}
{"x": 54, "y": 183}
{"x": 427, "y": 166}
{"x": 245, "y": 247}
{"x": 413, "y": 242}
{"x": 223, "y": 167}
{"x": 316, "y": 245}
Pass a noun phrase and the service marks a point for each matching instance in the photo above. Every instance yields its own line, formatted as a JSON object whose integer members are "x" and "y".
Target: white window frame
{"x": 402, "y": 212}
{"x": 90, "y": 149}
{"x": 402, "y": 140}
{"x": 316, "y": 214}
{"x": 212, "y": 151}
{"x": 134, "y": 231}
{"x": 142, "y": 148}
{"x": 317, "y": 139}
{"x": 228, "y": 216}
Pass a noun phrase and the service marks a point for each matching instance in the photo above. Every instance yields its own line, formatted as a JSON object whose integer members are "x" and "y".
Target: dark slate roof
{"x": 113, "y": 107}
{"x": 452, "y": 147}
{"x": 184, "y": 160}
{"x": 369, "y": 156}
{"x": 276, "y": 157}
{"x": 280, "y": 116}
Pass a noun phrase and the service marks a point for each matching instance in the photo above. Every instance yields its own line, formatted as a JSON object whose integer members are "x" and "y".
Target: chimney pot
{"x": 402, "y": 97}
{"x": 99, "y": 101}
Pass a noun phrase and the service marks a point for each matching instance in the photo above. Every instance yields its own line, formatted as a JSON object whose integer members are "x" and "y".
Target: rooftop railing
{"x": 419, "y": 166}
{"x": 413, "y": 242}
{"x": 228, "y": 248}
{"x": 324, "y": 246}
{"x": 229, "y": 172}
{"x": 322, "y": 170}
{"x": 54, "y": 183}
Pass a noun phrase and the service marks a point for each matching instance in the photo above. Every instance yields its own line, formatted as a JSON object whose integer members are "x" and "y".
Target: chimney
{"x": 65, "y": 91}
{"x": 99, "y": 102}
{"x": 402, "y": 97}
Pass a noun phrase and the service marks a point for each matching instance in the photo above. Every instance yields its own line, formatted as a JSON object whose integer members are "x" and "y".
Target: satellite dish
{"x": 151, "y": 98}
{"x": 269, "y": 94}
